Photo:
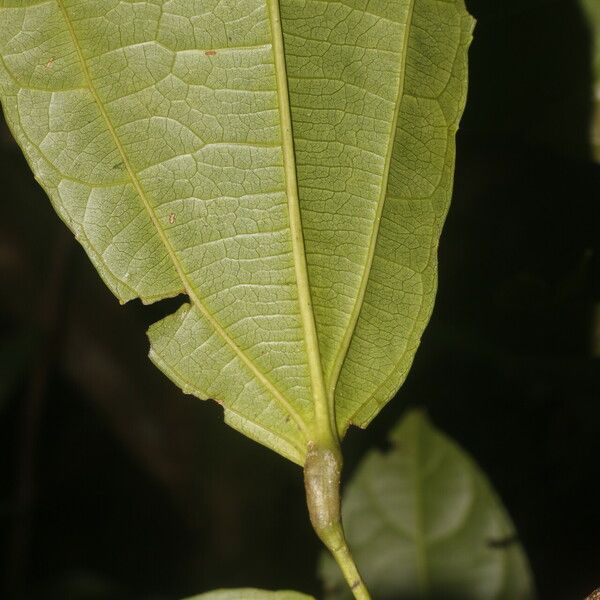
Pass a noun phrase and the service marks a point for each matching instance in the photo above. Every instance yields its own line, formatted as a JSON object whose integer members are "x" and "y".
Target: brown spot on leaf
{"x": 172, "y": 218}
{"x": 210, "y": 52}
{"x": 50, "y": 63}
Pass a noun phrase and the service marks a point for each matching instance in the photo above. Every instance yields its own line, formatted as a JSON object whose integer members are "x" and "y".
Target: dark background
{"x": 114, "y": 485}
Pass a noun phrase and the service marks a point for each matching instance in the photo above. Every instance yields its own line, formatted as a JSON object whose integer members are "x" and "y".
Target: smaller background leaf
{"x": 423, "y": 522}
{"x": 251, "y": 594}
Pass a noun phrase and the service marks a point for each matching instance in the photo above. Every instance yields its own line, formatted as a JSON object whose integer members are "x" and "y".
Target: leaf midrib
{"x": 189, "y": 288}
{"x": 344, "y": 347}
{"x": 324, "y": 412}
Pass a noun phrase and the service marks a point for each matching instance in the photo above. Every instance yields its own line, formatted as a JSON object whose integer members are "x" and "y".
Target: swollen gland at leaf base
{"x": 322, "y": 473}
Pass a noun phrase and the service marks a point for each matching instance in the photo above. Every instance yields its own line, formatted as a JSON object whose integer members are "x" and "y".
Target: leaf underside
{"x": 162, "y": 132}
{"x": 424, "y": 522}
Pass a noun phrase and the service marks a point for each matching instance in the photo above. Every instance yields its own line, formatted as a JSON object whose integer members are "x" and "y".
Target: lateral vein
{"x": 360, "y": 296}
{"x": 189, "y": 288}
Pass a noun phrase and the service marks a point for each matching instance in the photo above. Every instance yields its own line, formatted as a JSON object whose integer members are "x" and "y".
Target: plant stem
{"x": 322, "y": 472}
{"x": 351, "y": 575}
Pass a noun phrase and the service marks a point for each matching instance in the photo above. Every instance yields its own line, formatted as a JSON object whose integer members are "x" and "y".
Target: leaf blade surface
{"x": 199, "y": 205}
{"x": 191, "y": 149}
{"x": 411, "y": 81}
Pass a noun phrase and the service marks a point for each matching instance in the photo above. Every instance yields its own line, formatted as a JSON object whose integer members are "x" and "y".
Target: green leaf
{"x": 424, "y": 522}
{"x": 250, "y": 594}
{"x": 162, "y": 132}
